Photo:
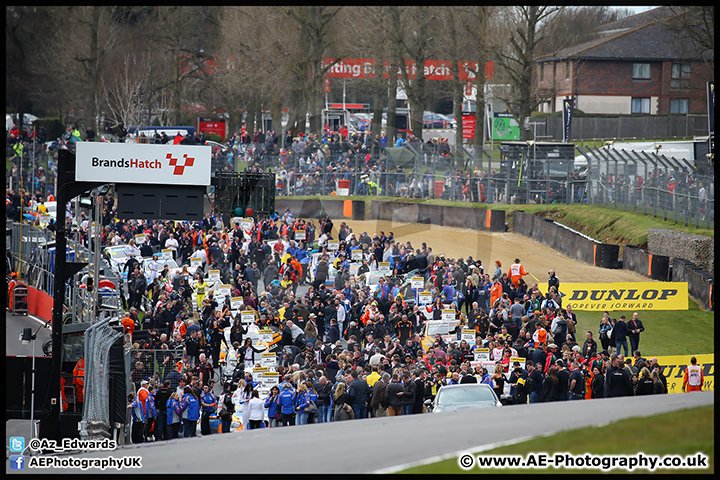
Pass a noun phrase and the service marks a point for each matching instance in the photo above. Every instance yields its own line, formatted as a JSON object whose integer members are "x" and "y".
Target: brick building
{"x": 641, "y": 64}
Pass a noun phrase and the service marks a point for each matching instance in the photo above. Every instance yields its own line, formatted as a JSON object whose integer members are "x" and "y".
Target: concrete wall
{"x": 697, "y": 249}
{"x": 700, "y": 282}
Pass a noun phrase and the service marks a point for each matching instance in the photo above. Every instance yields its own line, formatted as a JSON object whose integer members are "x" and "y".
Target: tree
{"x": 516, "y": 53}
{"x": 315, "y": 24}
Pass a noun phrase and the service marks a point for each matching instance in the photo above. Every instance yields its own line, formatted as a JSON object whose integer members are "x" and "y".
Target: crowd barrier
{"x": 700, "y": 282}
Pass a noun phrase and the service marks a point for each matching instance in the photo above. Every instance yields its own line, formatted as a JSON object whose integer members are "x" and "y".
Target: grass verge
{"x": 667, "y": 332}
{"x": 684, "y": 432}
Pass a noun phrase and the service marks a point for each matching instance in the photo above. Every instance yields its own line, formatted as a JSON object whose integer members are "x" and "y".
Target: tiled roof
{"x": 644, "y": 36}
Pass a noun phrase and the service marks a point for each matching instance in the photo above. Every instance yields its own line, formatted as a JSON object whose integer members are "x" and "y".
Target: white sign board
{"x": 448, "y": 315}
{"x": 268, "y": 359}
{"x": 424, "y": 298}
{"x": 236, "y": 303}
{"x": 140, "y": 238}
{"x": 196, "y": 262}
{"x": 247, "y": 317}
{"x": 417, "y": 283}
{"x": 482, "y": 355}
{"x": 467, "y": 335}
{"x": 265, "y": 335}
{"x": 214, "y": 276}
{"x": 167, "y": 253}
{"x": 356, "y": 255}
{"x": 333, "y": 245}
{"x": 223, "y": 291}
{"x": 384, "y": 267}
{"x": 300, "y": 235}
{"x": 142, "y": 163}
{"x": 520, "y": 360}
{"x": 269, "y": 379}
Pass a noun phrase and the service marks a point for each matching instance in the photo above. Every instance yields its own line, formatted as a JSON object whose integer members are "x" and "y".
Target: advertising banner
{"x": 673, "y": 367}
{"x": 212, "y": 125}
{"x": 143, "y": 163}
{"x": 625, "y": 296}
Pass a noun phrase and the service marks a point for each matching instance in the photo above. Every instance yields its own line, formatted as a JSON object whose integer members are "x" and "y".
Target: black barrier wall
{"x": 565, "y": 241}
{"x": 546, "y": 232}
{"x": 700, "y": 282}
{"x": 656, "y": 267}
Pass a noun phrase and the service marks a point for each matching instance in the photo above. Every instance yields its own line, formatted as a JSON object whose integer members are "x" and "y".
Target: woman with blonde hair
{"x": 302, "y": 400}
{"x": 498, "y": 380}
{"x": 343, "y": 411}
{"x": 645, "y": 385}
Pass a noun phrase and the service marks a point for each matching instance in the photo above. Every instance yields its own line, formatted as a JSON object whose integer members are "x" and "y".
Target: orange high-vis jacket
{"x": 516, "y": 272}
{"x": 495, "y": 293}
{"x": 79, "y": 379}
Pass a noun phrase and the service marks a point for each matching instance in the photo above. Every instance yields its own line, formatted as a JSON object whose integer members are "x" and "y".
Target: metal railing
{"x": 153, "y": 365}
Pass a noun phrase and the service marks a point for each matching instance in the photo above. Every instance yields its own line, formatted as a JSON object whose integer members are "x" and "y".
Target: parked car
{"x": 466, "y": 396}
{"x": 435, "y": 120}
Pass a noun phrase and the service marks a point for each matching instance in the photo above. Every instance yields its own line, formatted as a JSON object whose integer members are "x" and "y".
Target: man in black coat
{"x": 419, "y": 376}
{"x": 333, "y": 334}
{"x": 617, "y": 380}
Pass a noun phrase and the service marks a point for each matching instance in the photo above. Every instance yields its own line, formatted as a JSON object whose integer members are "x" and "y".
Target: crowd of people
{"x": 347, "y": 351}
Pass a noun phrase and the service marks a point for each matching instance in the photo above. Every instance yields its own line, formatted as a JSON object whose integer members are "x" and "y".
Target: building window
{"x": 640, "y": 105}
{"x": 641, "y": 71}
{"x": 680, "y": 76}
{"x": 679, "y": 105}
{"x": 567, "y": 70}
{"x": 542, "y": 72}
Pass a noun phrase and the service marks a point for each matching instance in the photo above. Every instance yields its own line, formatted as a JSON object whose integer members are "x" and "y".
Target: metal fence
{"x": 653, "y": 184}
{"x": 35, "y": 262}
{"x": 153, "y": 365}
{"x": 96, "y": 406}
{"x": 37, "y": 172}
{"x": 637, "y": 181}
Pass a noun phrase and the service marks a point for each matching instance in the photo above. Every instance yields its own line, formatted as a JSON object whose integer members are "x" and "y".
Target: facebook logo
{"x": 17, "y": 444}
{"x": 17, "y": 462}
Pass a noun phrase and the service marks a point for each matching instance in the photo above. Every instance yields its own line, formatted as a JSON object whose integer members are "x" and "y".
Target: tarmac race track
{"x": 380, "y": 445}
{"x": 490, "y": 246}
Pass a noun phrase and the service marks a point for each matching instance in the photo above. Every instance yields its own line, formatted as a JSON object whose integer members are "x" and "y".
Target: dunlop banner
{"x": 673, "y": 367}
{"x": 625, "y": 296}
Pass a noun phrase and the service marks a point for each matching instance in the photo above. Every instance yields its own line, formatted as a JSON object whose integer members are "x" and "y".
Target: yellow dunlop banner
{"x": 625, "y": 296}
{"x": 673, "y": 367}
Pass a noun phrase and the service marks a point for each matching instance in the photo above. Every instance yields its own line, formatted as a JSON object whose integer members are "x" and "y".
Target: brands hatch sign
{"x": 138, "y": 163}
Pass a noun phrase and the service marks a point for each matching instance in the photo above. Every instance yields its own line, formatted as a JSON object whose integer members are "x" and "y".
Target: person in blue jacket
{"x": 174, "y": 419}
{"x": 190, "y": 409}
{"x": 302, "y": 400}
{"x": 271, "y": 403}
{"x": 138, "y": 419}
{"x": 286, "y": 404}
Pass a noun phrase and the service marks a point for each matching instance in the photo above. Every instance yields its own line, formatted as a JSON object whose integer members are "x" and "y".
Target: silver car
{"x": 464, "y": 396}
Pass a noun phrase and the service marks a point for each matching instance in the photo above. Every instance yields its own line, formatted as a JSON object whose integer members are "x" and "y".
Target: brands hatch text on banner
{"x": 140, "y": 163}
